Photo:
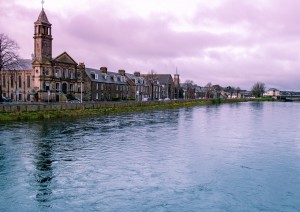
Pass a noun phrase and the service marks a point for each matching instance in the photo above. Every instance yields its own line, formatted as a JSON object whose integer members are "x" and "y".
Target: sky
{"x": 226, "y": 42}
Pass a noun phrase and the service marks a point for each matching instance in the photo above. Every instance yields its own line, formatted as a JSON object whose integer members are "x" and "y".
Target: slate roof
{"x": 42, "y": 19}
{"x": 164, "y": 78}
{"x": 135, "y": 79}
{"x": 26, "y": 64}
{"x": 110, "y": 77}
{"x": 23, "y": 64}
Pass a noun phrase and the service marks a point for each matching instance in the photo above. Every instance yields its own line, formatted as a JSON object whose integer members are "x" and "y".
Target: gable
{"x": 65, "y": 58}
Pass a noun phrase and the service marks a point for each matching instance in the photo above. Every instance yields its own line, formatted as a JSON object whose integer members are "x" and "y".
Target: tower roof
{"x": 42, "y": 19}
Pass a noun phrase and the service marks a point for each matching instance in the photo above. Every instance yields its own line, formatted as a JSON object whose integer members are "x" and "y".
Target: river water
{"x": 229, "y": 157}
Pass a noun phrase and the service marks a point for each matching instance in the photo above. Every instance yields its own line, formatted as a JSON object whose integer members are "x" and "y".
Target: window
{"x": 4, "y": 82}
{"x": 65, "y": 73}
{"x": 102, "y": 86}
{"x": 93, "y": 75}
{"x": 97, "y": 86}
{"x": 11, "y": 81}
{"x": 28, "y": 97}
{"x": 71, "y": 75}
{"x": 71, "y": 88}
{"x": 28, "y": 81}
{"x": 96, "y": 76}
{"x": 79, "y": 88}
{"x": 20, "y": 81}
{"x": 47, "y": 86}
{"x": 57, "y": 73}
{"x": 97, "y": 96}
{"x": 57, "y": 87}
{"x": 20, "y": 97}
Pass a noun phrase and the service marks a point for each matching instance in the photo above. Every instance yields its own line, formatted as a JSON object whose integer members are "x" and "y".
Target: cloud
{"x": 227, "y": 42}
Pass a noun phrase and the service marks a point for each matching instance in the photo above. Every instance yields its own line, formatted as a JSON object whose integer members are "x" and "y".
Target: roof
{"x": 164, "y": 78}
{"x": 110, "y": 77}
{"x": 20, "y": 65}
{"x": 26, "y": 64}
{"x": 273, "y": 89}
{"x": 65, "y": 58}
{"x": 42, "y": 19}
{"x": 135, "y": 79}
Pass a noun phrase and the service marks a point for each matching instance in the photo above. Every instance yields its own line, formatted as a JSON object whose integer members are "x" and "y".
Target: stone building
{"x": 56, "y": 78}
{"x": 43, "y": 78}
{"x": 101, "y": 85}
{"x": 17, "y": 84}
{"x": 166, "y": 86}
{"x": 139, "y": 89}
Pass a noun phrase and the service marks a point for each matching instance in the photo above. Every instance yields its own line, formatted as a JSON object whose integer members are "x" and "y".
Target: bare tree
{"x": 152, "y": 79}
{"x": 258, "y": 89}
{"x": 9, "y": 57}
{"x": 190, "y": 90}
{"x": 209, "y": 90}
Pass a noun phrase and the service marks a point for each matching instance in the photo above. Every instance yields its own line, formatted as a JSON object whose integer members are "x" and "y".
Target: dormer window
{"x": 105, "y": 76}
{"x": 93, "y": 75}
{"x": 96, "y": 76}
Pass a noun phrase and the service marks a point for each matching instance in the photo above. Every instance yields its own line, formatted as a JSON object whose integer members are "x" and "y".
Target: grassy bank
{"x": 57, "y": 114}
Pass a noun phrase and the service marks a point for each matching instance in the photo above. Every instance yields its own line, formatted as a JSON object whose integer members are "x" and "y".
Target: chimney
{"x": 81, "y": 65}
{"x": 137, "y": 74}
{"x": 122, "y": 72}
{"x": 103, "y": 70}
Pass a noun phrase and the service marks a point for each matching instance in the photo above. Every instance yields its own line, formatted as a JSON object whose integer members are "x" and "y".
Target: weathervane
{"x": 43, "y": 4}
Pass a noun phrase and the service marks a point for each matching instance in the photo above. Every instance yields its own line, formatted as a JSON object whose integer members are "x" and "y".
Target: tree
{"x": 209, "y": 90}
{"x": 9, "y": 57}
{"x": 258, "y": 89}
{"x": 189, "y": 89}
{"x": 152, "y": 79}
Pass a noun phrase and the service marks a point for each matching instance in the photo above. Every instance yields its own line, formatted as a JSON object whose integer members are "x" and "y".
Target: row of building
{"x": 45, "y": 78}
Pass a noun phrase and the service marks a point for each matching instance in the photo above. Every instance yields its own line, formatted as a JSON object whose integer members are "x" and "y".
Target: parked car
{"x": 166, "y": 99}
{"x": 5, "y": 99}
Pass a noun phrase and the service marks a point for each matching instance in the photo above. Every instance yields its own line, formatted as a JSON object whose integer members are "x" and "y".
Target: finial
{"x": 43, "y": 4}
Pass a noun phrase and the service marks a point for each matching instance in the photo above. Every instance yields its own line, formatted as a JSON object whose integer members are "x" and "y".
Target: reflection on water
{"x": 43, "y": 162}
{"x": 230, "y": 157}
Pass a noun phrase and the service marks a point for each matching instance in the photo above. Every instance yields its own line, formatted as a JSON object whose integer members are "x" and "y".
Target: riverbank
{"x": 23, "y": 112}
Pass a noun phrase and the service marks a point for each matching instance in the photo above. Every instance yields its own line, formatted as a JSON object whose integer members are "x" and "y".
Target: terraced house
{"x": 101, "y": 85}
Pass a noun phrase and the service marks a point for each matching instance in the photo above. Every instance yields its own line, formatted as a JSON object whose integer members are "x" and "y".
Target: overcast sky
{"x": 226, "y": 42}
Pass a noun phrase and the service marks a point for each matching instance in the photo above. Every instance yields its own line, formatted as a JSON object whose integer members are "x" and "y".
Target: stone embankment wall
{"x": 12, "y": 108}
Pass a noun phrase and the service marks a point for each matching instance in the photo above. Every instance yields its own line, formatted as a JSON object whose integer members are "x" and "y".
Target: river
{"x": 228, "y": 157}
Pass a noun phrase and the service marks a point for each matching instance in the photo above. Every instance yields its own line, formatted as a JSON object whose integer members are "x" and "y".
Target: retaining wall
{"x": 29, "y": 107}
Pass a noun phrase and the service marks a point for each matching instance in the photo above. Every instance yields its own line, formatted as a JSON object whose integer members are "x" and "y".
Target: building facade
{"x": 43, "y": 78}
{"x": 54, "y": 79}
{"x": 101, "y": 85}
